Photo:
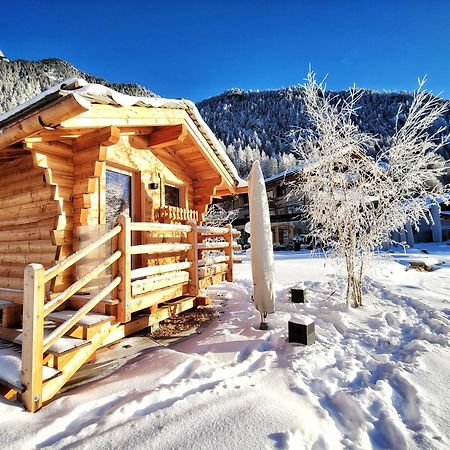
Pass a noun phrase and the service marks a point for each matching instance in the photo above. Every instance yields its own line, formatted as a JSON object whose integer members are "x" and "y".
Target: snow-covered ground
{"x": 377, "y": 377}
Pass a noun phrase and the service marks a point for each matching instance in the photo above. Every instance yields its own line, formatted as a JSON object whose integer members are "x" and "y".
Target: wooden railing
{"x": 35, "y": 310}
{"x": 170, "y": 261}
{"x": 171, "y": 214}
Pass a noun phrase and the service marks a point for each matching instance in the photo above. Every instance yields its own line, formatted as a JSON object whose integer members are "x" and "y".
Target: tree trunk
{"x": 354, "y": 282}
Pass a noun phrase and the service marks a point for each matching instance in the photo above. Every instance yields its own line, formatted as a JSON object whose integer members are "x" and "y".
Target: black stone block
{"x": 298, "y": 295}
{"x": 302, "y": 331}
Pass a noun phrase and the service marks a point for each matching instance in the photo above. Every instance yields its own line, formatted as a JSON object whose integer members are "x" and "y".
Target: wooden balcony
{"x": 173, "y": 214}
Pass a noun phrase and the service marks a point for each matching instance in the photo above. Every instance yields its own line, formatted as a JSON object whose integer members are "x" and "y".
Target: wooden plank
{"x": 207, "y": 182}
{"x": 105, "y": 136}
{"x": 50, "y": 148}
{"x": 154, "y": 283}
{"x": 78, "y": 316}
{"x": 32, "y": 234}
{"x": 79, "y": 254}
{"x": 65, "y": 108}
{"x": 59, "y": 299}
{"x": 160, "y": 269}
{"x": 124, "y": 269}
{"x": 152, "y": 249}
{"x": 84, "y": 186}
{"x": 143, "y": 301}
{"x": 132, "y": 116}
{"x": 192, "y": 256}
{"x": 24, "y": 259}
{"x": 213, "y": 245}
{"x": 33, "y": 336}
{"x": 212, "y": 269}
{"x": 210, "y": 280}
{"x": 64, "y": 165}
{"x": 155, "y": 226}
{"x": 229, "y": 252}
{"x": 91, "y": 154}
{"x": 212, "y": 260}
{"x": 168, "y": 135}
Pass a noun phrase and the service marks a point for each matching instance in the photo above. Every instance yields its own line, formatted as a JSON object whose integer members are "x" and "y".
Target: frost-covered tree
{"x": 217, "y": 216}
{"x": 353, "y": 201}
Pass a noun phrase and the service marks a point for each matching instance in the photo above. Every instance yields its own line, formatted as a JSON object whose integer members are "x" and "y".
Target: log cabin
{"x": 102, "y": 197}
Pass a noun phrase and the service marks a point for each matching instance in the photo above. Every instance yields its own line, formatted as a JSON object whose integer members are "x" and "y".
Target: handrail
{"x": 69, "y": 323}
{"x": 155, "y": 226}
{"x": 75, "y": 287}
{"x": 75, "y": 257}
{"x": 213, "y": 245}
{"x": 158, "y": 270}
{"x": 212, "y": 260}
{"x": 158, "y": 248}
{"x": 212, "y": 230}
{"x": 212, "y": 269}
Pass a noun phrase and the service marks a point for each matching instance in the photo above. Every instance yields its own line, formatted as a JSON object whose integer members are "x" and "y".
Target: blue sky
{"x": 197, "y": 49}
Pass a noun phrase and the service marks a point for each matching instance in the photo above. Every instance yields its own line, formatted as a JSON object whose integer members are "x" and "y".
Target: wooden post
{"x": 229, "y": 252}
{"x": 192, "y": 255}
{"x": 277, "y": 236}
{"x": 124, "y": 269}
{"x": 33, "y": 336}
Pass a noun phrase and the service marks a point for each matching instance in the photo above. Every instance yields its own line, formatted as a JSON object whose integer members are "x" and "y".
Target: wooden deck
{"x": 45, "y": 336}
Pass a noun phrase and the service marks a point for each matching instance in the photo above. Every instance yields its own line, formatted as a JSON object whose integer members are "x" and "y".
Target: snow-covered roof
{"x": 99, "y": 94}
{"x": 283, "y": 174}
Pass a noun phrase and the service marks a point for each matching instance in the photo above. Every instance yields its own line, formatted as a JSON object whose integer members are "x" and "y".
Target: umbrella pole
{"x": 263, "y": 325}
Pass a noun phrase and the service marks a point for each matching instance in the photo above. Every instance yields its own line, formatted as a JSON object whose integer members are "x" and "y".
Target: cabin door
{"x": 118, "y": 195}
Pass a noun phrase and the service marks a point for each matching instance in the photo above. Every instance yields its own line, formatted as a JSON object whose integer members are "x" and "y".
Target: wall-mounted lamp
{"x": 153, "y": 186}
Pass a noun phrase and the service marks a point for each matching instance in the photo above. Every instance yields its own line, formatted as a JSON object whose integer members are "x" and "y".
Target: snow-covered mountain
{"x": 21, "y": 79}
{"x": 250, "y": 123}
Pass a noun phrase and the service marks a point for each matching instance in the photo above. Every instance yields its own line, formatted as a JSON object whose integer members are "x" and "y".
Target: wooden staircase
{"x": 46, "y": 337}
{"x": 62, "y": 357}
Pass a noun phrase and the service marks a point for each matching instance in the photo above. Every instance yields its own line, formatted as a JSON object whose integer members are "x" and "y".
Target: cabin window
{"x": 171, "y": 196}
{"x": 281, "y": 191}
{"x": 118, "y": 196}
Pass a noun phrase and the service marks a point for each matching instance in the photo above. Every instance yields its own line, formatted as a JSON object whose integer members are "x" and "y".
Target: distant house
{"x": 289, "y": 223}
{"x": 286, "y": 214}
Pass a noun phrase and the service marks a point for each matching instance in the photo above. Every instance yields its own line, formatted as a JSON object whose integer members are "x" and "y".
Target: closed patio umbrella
{"x": 261, "y": 245}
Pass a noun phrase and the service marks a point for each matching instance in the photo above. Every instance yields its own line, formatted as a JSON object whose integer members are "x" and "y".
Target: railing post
{"x": 192, "y": 255}
{"x": 124, "y": 269}
{"x": 33, "y": 336}
{"x": 229, "y": 252}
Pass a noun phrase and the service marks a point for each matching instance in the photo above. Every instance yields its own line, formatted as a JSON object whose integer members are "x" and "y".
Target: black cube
{"x": 302, "y": 331}
{"x": 298, "y": 295}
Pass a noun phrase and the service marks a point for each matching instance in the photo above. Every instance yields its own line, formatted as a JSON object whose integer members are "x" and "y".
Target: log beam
{"x": 105, "y": 136}
{"x": 66, "y": 108}
{"x": 165, "y": 136}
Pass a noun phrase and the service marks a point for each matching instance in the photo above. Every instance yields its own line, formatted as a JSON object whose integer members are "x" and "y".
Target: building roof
{"x": 99, "y": 94}
{"x": 284, "y": 174}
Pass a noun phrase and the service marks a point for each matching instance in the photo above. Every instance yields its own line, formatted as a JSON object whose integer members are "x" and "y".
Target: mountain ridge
{"x": 251, "y": 124}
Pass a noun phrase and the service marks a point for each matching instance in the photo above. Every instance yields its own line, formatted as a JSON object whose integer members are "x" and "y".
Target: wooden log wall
{"x": 29, "y": 210}
{"x": 60, "y": 186}
{"x": 56, "y": 159}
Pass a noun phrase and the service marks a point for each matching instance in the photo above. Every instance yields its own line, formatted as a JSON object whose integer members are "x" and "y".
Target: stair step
{"x": 88, "y": 321}
{"x": 86, "y": 298}
{"x": 62, "y": 346}
{"x": 11, "y": 367}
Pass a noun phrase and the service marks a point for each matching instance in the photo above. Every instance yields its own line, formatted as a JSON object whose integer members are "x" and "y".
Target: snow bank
{"x": 375, "y": 378}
